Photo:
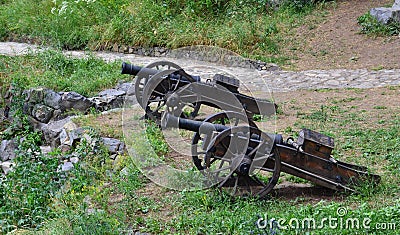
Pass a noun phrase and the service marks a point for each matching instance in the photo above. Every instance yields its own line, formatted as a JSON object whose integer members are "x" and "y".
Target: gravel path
{"x": 275, "y": 81}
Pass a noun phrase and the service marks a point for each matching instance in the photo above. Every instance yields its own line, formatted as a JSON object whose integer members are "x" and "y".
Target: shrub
{"x": 371, "y": 26}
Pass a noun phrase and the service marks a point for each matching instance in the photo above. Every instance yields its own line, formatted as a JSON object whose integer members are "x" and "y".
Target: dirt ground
{"x": 337, "y": 42}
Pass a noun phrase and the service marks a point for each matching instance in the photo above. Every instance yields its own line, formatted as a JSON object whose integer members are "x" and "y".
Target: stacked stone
{"x": 50, "y": 112}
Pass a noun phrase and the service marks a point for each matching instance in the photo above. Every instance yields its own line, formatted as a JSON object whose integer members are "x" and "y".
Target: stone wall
{"x": 52, "y": 113}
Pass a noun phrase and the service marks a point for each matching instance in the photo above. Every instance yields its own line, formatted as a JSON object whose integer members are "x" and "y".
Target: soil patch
{"x": 338, "y": 43}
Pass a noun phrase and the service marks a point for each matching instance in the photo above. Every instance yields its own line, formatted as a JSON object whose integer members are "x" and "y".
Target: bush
{"x": 371, "y": 26}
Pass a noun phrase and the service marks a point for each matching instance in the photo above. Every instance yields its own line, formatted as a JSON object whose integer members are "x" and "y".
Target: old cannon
{"x": 231, "y": 151}
{"x": 158, "y": 80}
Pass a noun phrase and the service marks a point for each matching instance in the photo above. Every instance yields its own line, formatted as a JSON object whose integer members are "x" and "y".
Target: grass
{"x": 53, "y": 70}
{"x": 251, "y": 28}
{"x": 371, "y": 26}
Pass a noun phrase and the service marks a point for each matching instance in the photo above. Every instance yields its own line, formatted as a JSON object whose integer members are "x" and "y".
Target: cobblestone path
{"x": 276, "y": 81}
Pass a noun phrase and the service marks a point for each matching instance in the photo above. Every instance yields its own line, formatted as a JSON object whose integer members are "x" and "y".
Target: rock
{"x": 52, "y": 99}
{"x": 52, "y": 130}
{"x": 75, "y": 101}
{"x": 114, "y": 146}
{"x": 396, "y": 4}
{"x": 385, "y": 15}
{"x": 45, "y": 149}
{"x": 74, "y": 160}
{"x": 27, "y": 108}
{"x": 109, "y": 99}
{"x": 7, "y": 150}
{"x": 69, "y": 137}
{"x": 42, "y": 113}
{"x": 6, "y": 166}
{"x": 124, "y": 172}
{"x": 34, "y": 95}
{"x": 115, "y": 48}
{"x": 126, "y": 86}
{"x": 2, "y": 116}
{"x": 67, "y": 166}
{"x": 112, "y": 92}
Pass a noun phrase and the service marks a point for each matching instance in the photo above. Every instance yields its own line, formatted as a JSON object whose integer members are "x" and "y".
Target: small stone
{"x": 114, "y": 146}
{"x": 45, "y": 149}
{"x": 65, "y": 148}
{"x": 124, "y": 172}
{"x": 69, "y": 137}
{"x": 74, "y": 160}
{"x": 6, "y": 166}
{"x": 67, "y": 166}
{"x": 115, "y": 47}
{"x": 332, "y": 83}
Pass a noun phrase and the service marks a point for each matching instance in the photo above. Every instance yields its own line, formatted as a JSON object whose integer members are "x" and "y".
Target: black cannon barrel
{"x": 180, "y": 74}
{"x": 169, "y": 120}
{"x": 134, "y": 70}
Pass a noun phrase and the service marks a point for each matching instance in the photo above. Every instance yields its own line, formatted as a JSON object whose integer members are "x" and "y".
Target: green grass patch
{"x": 253, "y": 28}
{"x": 56, "y": 71}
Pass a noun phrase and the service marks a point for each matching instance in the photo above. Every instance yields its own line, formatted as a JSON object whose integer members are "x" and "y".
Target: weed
{"x": 29, "y": 188}
{"x": 371, "y": 26}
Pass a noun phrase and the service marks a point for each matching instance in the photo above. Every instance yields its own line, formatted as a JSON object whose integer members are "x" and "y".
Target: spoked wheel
{"x": 159, "y": 89}
{"x": 243, "y": 167}
{"x": 227, "y": 118}
{"x": 142, "y": 77}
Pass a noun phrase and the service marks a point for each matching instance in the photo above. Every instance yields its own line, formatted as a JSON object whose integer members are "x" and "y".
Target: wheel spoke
{"x": 256, "y": 148}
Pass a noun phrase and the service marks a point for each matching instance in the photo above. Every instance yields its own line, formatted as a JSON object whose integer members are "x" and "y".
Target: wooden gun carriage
{"x": 228, "y": 147}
